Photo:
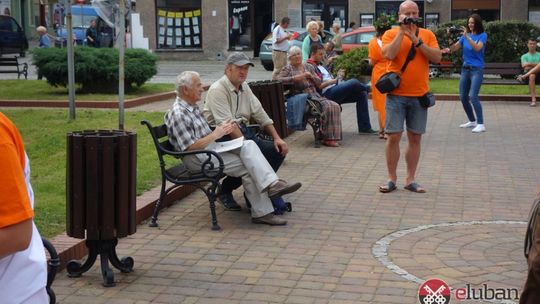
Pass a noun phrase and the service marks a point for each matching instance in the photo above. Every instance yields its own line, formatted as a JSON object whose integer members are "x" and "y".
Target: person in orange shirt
{"x": 23, "y": 268}
{"x": 378, "y": 63}
{"x": 403, "y": 104}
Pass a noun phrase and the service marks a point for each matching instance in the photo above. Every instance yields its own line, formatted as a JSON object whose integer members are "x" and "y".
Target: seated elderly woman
{"x": 304, "y": 81}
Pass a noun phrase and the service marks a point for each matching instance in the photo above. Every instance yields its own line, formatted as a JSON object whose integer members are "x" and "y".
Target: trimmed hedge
{"x": 354, "y": 63}
{"x": 96, "y": 69}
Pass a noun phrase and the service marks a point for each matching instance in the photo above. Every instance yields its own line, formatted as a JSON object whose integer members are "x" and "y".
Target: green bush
{"x": 96, "y": 69}
{"x": 507, "y": 40}
{"x": 354, "y": 63}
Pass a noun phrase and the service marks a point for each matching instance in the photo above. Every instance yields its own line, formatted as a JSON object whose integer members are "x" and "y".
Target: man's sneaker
{"x": 269, "y": 219}
{"x": 228, "y": 202}
{"x": 479, "y": 128}
{"x": 281, "y": 188}
{"x": 470, "y": 124}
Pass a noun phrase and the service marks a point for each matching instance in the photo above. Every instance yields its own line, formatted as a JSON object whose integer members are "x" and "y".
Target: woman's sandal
{"x": 388, "y": 187}
{"x": 533, "y": 104}
{"x": 382, "y": 135}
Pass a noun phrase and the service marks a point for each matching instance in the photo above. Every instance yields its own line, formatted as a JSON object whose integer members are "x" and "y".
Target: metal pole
{"x": 121, "y": 50}
{"x": 70, "y": 61}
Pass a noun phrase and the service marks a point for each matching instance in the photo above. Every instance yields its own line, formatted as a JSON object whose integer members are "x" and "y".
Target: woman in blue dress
{"x": 473, "y": 42}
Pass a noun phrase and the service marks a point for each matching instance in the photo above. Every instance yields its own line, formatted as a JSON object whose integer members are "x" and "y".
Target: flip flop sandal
{"x": 414, "y": 187}
{"x": 533, "y": 104}
{"x": 388, "y": 187}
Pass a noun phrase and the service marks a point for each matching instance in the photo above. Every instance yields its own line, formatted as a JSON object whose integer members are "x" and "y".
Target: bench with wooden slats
{"x": 12, "y": 65}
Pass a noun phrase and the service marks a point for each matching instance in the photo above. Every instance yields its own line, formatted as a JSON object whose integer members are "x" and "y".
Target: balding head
{"x": 407, "y": 5}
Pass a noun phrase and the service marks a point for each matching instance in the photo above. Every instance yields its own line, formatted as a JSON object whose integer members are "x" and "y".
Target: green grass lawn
{"x": 41, "y": 90}
{"x": 44, "y": 133}
{"x": 451, "y": 86}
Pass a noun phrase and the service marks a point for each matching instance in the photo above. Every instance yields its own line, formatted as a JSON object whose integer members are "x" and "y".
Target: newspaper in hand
{"x": 224, "y": 146}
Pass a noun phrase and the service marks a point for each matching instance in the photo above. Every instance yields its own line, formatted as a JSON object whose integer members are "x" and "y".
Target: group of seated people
{"x": 313, "y": 80}
{"x": 230, "y": 106}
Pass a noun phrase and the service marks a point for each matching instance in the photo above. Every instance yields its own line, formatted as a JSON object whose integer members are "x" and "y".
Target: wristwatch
{"x": 420, "y": 42}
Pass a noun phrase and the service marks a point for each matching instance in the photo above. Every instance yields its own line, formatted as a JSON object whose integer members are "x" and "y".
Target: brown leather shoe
{"x": 269, "y": 219}
{"x": 281, "y": 188}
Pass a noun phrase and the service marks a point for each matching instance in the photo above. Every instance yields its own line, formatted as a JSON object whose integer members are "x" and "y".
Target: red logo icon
{"x": 434, "y": 291}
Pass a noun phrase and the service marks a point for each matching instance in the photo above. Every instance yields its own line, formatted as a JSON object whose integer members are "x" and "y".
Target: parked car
{"x": 12, "y": 37}
{"x": 357, "y": 38}
{"x": 265, "y": 54}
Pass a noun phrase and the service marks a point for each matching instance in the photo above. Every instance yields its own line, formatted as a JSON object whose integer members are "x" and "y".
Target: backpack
{"x": 531, "y": 290}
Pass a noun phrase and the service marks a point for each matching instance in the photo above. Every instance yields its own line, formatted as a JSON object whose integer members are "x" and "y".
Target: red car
{"x": 357, "y": 38}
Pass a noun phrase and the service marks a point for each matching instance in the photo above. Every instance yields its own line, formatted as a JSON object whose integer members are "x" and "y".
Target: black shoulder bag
{"x": 390, "y": 81}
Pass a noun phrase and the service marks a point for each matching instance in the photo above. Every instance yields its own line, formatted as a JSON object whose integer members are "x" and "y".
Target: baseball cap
{"x": 239, "y": 59}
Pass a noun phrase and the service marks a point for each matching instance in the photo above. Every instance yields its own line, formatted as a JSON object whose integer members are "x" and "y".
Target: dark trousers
{"x": 351, "y": 91}
{"x": 268, "y": 150}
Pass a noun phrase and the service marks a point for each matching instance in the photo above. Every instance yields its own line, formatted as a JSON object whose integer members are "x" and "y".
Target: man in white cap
{"x": 230, "y": 98}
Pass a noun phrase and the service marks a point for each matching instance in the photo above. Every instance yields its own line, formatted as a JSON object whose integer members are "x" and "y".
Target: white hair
{"x": 312, "y": 24}
{"x": 293, "y": 51}
{"x": 185, "y": 79}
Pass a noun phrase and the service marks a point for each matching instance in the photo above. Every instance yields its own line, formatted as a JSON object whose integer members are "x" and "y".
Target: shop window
{"x": 240, "y": 24}
{"x": 178, "y": 24}
{"x": 328, "y": 11}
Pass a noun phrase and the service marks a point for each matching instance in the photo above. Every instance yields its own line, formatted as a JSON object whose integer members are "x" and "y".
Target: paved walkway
{"x": 345, "y": 241}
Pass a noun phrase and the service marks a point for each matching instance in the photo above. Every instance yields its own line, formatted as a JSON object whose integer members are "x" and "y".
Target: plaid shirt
{"x": 185, "y": 125}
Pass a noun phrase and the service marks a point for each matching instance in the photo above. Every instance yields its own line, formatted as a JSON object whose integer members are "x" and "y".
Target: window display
{"x": 239, "y": 24}
{"x": 178, "y": 24}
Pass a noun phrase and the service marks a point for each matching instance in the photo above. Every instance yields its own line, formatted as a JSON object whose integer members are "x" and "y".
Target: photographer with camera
{"x": 403, "y": 103}
{"x": 473, "y": 41}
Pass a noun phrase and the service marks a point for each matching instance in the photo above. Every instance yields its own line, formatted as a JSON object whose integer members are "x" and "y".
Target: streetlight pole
{"x": 121, "y": 51}
{"x": 70, "y": 61}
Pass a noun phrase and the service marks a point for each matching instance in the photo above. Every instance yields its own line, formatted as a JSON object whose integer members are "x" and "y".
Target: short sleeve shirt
{"x": 470, "y": 56}
{"x": 185, "y": 125}
{"x": 279, "y": 33}
{"x": 415, "y": 79}
{"x": 530, "y": 58}
{"x": 15, "y": 205}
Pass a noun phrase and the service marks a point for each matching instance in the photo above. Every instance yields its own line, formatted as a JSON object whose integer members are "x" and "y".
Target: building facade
{"x": 209, "y": 29}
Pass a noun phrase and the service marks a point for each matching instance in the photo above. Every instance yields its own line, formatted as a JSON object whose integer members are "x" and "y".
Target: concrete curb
{"x": 130, "y": 103}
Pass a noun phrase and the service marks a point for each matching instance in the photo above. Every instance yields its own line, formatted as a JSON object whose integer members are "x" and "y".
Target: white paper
{"x": 187, "y": 32}
{"x": 178, "y": 41}
{"x": 196, "y": 40}
{"x": 169, "y": 40}
{"x": 178, "y": 22}
{"x": 194, "y": 21}
{"x": 195, "y": 29}
{"x": 161, "y": 20}
{"x": 224, "y": 146}
{"x": 186, "y": 21}
{"x": 170, "y": 21}
{"x": 178, "y": 31}
{"x": 187, "y": 41}
{"x": 161, "y": 30}
{"x": 161, "y": 40}
{"x": 169, "y": 31}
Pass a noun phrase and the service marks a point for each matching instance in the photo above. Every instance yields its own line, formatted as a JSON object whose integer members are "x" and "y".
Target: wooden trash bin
{"x": 101, "y": 196}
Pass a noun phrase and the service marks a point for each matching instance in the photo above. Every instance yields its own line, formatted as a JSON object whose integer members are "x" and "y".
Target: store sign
{"x": 239, "y": 24}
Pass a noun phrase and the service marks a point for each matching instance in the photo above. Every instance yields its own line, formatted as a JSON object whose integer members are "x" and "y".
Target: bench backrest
{"x": 503, "y": 68}
{"x": 160, "y": 137}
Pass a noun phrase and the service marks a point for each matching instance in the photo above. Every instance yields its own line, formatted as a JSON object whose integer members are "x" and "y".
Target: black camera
{"x": 454, "y": 30}
{"x": 410, "y": 20}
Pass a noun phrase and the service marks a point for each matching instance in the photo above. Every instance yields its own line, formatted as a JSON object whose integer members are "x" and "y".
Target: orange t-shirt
{"x": 15, "y": 204}
{"x": 415, "y": 79}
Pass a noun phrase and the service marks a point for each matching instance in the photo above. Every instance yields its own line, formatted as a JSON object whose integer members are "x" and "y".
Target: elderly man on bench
{"x": 188, "y": 130}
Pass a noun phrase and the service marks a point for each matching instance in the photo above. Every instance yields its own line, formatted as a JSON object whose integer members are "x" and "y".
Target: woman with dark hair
{"x": 378, "y": 63}
{"x": 473, "y": 42}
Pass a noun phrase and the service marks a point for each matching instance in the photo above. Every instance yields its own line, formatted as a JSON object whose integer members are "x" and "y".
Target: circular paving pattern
{"x": 460, "y": 253}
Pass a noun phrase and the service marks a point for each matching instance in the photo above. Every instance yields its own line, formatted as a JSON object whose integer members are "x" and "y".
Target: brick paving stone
{"x": 324, "y": 254}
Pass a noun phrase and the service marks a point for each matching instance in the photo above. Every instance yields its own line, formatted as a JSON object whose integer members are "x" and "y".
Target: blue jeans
{"x": 469, "y": 87}
{"x": 296, "y": 106}
{"x": 351, "y": 91}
